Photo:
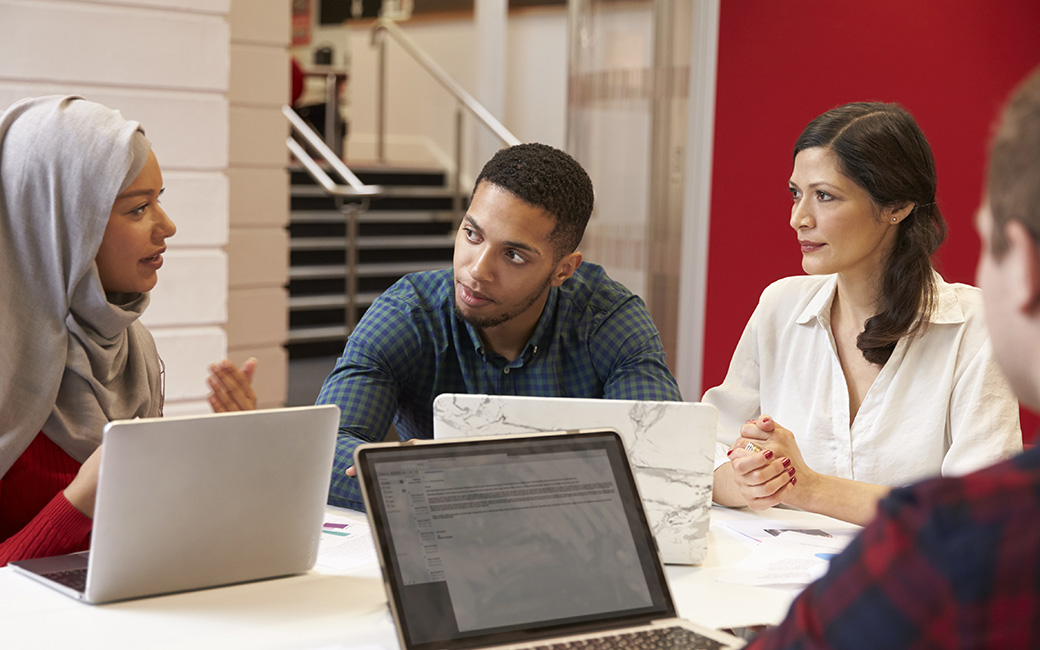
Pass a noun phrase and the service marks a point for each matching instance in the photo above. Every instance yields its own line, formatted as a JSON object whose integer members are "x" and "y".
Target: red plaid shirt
{"x": 947, "y": 563}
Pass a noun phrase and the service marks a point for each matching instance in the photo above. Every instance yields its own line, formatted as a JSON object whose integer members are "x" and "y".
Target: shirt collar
{"x": 945, "y": 310}
{"x": 541, "y": 330}
{"x": 820, "y": 305}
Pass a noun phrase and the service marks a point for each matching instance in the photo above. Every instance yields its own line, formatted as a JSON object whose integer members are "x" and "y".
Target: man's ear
{"x": 1023, "y": 254}
{"x": 566, "y": 267}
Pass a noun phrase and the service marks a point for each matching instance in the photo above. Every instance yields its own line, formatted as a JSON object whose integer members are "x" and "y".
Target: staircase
{"x": 411, "y": 228}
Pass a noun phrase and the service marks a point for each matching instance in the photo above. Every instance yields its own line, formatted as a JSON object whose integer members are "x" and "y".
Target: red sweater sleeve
{"x": 36, "y": 520}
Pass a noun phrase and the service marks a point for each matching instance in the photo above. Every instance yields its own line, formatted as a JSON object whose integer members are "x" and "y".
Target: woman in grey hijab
{"x": 81, "y": 239}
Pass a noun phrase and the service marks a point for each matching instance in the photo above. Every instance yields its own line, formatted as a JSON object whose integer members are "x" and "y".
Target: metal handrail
{"x": 438, "y": 73}
{"x": 385, "y": 25}
{"x": 353, "y": 188}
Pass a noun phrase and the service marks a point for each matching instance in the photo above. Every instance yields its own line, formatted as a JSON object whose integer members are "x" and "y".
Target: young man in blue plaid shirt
{"x": 518, "y": 314}
{"x": 955, "y": 563}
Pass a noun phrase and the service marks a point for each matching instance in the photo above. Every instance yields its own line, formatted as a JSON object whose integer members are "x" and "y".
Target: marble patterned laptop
{"x": 671, "y": 446}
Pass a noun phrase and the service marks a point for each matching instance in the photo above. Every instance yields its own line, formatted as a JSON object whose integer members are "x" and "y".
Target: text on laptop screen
{"x": 497, "y": 538}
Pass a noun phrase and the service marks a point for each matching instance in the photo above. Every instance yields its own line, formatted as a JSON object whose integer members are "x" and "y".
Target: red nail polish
{"x": 787, "y": 462}
{"x": 790, "y": 471}
{"x": 766, "y": 419}
{"x": 768, "y": 454}
{"x": 793, "y": 480}
{"x": 729, "y": 452}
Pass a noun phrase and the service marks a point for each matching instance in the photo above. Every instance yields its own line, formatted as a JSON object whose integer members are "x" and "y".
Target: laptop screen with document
{"x": 498, "y": 540}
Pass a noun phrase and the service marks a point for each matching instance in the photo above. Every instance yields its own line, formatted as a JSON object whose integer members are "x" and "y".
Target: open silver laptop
{"x": 520, "y": 541}
{"x": 192, "y": 502}
{"x": 671, "y": 446}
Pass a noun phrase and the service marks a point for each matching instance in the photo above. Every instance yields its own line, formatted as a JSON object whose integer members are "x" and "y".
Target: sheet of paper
{"x": 346, "y": 544}
{"x": 756, "y": 531}
{"x": 791, "y": 557}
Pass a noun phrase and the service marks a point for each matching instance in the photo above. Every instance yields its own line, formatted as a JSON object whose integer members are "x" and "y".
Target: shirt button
{"x": 506, "y": 371}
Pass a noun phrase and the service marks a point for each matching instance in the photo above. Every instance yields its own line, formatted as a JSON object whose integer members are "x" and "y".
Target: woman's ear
{"x": 895, "y": 215}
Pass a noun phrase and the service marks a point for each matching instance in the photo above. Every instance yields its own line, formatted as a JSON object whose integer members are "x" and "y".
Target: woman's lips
{"x": 810, "y": 246}
{"x": 155, "y": 261}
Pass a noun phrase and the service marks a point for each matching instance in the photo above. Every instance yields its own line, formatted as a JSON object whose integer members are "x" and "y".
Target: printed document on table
{"x": 346, "y": 544}
{"x": 789, "y": 557}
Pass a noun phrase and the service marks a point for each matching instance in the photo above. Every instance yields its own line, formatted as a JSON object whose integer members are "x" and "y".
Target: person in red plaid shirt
{"x": 955, "y": 563}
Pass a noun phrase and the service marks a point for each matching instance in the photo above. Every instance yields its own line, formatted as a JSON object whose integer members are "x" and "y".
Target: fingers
{"x": 248, "y": 368}
{"x": 351, "y": 471}
{"x": 230, "y": 387}
{"x": 762, "y": 479}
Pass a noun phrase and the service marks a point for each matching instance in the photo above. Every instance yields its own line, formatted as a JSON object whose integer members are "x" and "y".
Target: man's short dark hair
{"x": 1014, "y": 165}
{"x": 549, "y": 179}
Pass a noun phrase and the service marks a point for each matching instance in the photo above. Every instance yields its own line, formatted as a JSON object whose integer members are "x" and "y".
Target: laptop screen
{"x": 503, "y": 540}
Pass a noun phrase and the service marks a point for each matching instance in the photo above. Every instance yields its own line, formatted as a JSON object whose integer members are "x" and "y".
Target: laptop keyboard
{"x": 662, "y": 638}
{"x": 74, "y": 578}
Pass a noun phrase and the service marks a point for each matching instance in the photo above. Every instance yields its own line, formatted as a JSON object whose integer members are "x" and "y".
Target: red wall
{"x": 949, "y": 62}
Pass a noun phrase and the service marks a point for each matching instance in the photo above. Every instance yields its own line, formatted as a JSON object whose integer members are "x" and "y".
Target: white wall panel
{"x": 257, "y": 257}
{"x": 198, "y": 203}
{"x": 259, "y": 197}
{"x": 187, "y": 353}
{"x": 271, "y": 381}
{"x": 189, "y": 407}
{"x": 192, "y": 289}
{"x": 262, "y": 21}
{"x": 258, "y": 316}
{"x": 127, "y": 46}
{"x": 246, "y": 148}
{"x": 219, "y": 7}
{"x": 259, "y": 75}
{"x": 187, "y": 130}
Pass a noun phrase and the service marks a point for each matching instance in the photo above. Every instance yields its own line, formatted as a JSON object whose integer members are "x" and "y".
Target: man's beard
{"x": 498, "y": 319}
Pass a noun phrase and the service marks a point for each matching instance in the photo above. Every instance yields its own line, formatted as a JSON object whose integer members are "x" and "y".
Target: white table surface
{"x": 333, "y": 609}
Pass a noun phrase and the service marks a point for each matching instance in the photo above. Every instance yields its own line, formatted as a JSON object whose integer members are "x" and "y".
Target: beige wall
{"x": 258, "y": 244}
{"x": 174, "y": 66}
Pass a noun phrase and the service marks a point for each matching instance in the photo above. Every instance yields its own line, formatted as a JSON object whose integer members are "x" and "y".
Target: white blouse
{"x": 940, "y": 404}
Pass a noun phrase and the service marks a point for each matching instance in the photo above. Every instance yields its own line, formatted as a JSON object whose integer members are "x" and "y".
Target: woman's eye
{"x": 823, "y": 196}
{"x": 139, "y": 210}
{"x": 795, "y": 194}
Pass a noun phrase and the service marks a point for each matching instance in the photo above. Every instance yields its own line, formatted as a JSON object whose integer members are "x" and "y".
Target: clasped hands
{"x": 767, "y": 465}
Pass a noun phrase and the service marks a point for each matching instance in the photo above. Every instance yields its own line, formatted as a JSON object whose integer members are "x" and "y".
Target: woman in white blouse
{"x": 879, "y": 371}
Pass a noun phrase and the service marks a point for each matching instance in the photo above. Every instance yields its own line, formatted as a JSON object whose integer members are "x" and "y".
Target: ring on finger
{"x": 750, "y": 446}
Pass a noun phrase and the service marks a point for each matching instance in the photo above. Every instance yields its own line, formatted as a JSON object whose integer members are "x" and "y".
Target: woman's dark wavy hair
{"x": 546, "y": 178}
{"x": 881, "y": 148}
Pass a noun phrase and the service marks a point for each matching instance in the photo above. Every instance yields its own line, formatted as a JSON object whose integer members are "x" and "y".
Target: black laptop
{"x": 532, "y": 540}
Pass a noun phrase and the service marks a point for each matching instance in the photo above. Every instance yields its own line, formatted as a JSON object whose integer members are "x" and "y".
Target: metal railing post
{"x": 351, "y": 277}
{"x": 456, "y": 196}
{"x": 381, "y": 100}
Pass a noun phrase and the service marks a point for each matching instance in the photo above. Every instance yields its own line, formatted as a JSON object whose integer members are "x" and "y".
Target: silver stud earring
{"x": 893, "y": 219}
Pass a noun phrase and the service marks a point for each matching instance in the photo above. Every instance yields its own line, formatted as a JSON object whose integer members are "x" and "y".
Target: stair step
{"x": 371, "y": 216}
{"x": 381, "y": 175}
{"x": 372, "y": 243}
{"x": 329, "y": 301}
{"x": 364, "y": 270}
{"x": 314, "y": 334}
{"x": 389, "y": 191}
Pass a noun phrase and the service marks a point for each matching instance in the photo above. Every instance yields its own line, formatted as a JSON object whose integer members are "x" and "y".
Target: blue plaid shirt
{"x": 594, "y": 339}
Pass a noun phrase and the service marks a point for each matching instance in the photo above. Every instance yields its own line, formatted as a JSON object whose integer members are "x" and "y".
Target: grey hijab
{"x": 71, "y": 357}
